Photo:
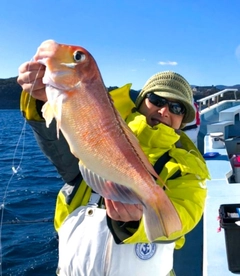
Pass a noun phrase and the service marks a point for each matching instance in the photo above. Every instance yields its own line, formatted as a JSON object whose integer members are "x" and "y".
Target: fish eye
{"x": 78, "y": 56}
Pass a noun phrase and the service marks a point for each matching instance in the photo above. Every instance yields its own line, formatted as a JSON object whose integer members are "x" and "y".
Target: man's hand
{"x": 30, "y": 78}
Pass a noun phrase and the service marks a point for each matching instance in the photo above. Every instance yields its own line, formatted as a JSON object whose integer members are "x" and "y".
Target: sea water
{"x": 28, "y": 239}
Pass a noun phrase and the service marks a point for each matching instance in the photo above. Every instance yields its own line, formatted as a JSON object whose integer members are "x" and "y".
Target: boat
{"x": 209, "y": 251}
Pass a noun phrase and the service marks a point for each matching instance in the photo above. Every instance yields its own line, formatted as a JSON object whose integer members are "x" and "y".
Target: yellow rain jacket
{"x": 187, "y": 191}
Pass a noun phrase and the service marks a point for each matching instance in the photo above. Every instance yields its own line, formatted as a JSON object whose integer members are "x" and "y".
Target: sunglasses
{"x": 174, "y": 107}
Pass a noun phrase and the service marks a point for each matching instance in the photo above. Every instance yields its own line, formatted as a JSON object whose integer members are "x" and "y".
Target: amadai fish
{"x": 111, "y": 160}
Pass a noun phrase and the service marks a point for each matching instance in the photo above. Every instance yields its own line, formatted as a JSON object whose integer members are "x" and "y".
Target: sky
{"x": 131, "y": 40}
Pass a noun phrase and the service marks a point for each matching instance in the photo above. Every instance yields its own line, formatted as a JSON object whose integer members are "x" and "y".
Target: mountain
{"x": 222, "y": 87}
{"x": 10, "y": 92}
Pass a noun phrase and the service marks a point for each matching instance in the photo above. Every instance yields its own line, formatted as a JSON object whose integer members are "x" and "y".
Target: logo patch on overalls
{"x": 145, "y": 251}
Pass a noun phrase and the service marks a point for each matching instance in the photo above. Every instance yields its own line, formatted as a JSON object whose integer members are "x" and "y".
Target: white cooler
{"x": 217, "y": 140}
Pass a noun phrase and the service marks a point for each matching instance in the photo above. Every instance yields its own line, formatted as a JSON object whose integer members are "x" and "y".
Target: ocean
{"x": 28, "y": 241}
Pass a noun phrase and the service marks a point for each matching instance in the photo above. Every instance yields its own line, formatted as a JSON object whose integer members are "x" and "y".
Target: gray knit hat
{"x": 170, "y": 85}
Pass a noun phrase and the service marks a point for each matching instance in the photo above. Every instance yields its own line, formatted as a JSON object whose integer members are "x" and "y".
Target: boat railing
{"x": 215, "y": 98}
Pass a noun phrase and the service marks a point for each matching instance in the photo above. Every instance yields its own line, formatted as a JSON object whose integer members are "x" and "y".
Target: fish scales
{"x": 101, "y": 141}
{"x": 111, "y": 159}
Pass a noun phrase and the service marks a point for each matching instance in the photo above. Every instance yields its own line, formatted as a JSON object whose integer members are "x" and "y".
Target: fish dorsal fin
{"x": 136, "y": 145}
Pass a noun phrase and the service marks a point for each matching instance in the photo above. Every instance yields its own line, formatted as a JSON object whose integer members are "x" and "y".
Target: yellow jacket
{"x": 187, "y": 192}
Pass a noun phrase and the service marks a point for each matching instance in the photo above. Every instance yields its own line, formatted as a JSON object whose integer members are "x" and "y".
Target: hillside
{"x": 10, "y": 92}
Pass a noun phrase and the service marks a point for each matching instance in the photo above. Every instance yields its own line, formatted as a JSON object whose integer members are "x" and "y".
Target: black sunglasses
{"x": 174, "y": 107}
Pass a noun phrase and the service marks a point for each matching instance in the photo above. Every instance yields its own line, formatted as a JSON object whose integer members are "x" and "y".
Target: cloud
{"x": 172, "y": 63}
{"x": 237, "y": 52}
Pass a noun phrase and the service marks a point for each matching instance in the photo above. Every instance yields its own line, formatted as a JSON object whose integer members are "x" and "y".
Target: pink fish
{"x": 108, "y": 151}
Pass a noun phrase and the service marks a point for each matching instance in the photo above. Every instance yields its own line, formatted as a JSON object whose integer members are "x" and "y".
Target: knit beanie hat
{"x": 173, "y": 86}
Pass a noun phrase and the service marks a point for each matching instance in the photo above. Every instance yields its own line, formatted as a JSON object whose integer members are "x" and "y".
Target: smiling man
{"x": 167, "y": 97}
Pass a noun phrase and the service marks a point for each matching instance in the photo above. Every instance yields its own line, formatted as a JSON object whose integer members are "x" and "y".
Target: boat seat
{"x": 219, "y": 126}
{"x": 229, "y": 113}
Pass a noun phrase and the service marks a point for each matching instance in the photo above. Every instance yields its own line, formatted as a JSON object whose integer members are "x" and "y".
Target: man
{"x": 110, "y": 239}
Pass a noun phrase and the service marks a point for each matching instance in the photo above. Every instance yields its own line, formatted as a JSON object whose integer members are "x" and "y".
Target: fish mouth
{"x": 71, "y": 65}
{"x": 50, "y": 80}
{"x": 63, "y": 87}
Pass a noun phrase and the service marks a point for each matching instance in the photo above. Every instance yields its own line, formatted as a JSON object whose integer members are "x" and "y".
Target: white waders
{"x": 87, "y": 248}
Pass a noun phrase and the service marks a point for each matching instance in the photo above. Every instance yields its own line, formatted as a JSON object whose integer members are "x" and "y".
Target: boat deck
{"x": 205, "y": 251}
{"x": 220, "y": 191}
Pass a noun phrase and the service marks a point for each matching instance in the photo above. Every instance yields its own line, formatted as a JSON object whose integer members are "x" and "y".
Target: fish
{"x": 111, "y": 160}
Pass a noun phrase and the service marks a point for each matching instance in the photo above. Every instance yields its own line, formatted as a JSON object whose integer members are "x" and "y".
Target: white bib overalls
{"x": 87, "y": 248}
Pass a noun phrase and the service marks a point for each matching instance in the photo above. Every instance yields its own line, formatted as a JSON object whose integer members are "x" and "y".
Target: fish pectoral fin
{"x": 160, "y": 217}
{"x": 47, "y": 113}
{"x": 53, "y": 107}
{"x": 108, "y": 189}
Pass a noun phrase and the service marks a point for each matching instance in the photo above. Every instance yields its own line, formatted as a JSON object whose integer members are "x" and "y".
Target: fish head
{"x": 67, "y": 67}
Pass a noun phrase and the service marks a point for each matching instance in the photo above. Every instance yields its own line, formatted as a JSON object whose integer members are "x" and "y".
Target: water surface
{"x": 28, "y": 239}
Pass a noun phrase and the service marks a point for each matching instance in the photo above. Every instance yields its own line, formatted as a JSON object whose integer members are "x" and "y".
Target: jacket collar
{"x": 159, "y": 136}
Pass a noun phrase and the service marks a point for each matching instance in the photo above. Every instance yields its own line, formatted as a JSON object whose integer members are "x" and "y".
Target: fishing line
{"x": 15, "y": 169}
{"x": 28, "y": 221}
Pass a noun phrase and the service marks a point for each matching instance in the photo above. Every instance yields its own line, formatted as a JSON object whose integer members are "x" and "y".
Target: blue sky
{"x": 130, "y": 39}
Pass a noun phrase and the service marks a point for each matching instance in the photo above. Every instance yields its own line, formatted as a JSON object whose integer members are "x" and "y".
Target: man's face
{"x": 156, "y": 115}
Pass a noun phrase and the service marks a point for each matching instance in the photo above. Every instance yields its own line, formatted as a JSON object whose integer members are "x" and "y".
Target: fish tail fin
{"x": 160, "y": 216}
